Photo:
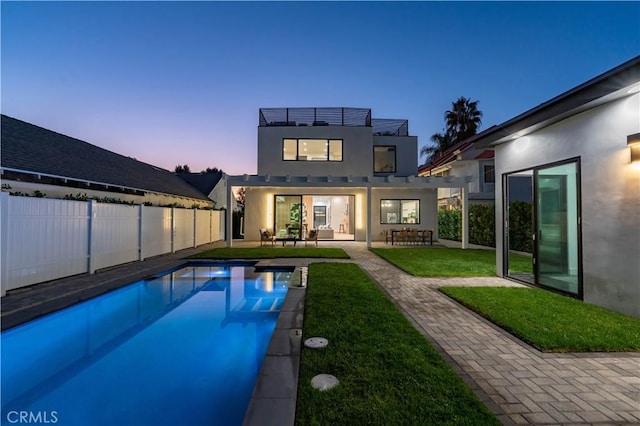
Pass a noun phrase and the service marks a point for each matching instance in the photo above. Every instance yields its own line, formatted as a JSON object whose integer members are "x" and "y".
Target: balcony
{"x": 315, "y": 117}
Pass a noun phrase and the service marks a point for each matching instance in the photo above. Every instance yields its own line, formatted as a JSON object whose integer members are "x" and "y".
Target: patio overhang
{"x": 367, "y": 182}
{"x": 351, "y": 181}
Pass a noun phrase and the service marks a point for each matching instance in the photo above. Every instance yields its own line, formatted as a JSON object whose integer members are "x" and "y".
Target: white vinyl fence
{"x": 44, "y": 239}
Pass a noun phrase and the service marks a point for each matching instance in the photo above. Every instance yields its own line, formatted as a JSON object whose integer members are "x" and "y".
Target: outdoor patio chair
{"x": 266, "y": 237}
{"x": 403, "y": 236}
{"x": 311, "y": 236}
{"x": 413, "y": 236}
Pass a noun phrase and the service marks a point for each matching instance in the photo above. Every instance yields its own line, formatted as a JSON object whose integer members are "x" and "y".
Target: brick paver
{"x": 521, "y": 384}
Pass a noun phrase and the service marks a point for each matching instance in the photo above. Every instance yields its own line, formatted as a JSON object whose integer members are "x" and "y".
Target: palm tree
{"x": 441, "y": 142}
{"x": 462, "y": 121}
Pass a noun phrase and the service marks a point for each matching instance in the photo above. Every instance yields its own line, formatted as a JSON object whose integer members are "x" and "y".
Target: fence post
{"x": 195, "y": 226}
{"x": 173, "y": 229}
{"x": 92, "y": 207}
{"x": 4, "y": 238}
{"x": 140, "y": 232}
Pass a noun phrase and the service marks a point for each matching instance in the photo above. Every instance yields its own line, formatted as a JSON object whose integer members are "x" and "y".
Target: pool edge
{"x": 273, "y": 401}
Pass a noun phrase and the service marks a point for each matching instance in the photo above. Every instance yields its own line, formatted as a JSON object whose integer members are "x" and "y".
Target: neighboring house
{"x": 213, "y": 185}
{"x": 339, "y": 171}
{"x": 464, "y": 159}
{"x": 37, "y": 159}
{"x": 577, "y": 153}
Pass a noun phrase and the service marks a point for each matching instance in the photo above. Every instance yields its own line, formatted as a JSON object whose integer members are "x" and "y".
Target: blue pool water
{"x": 184, "y": 348}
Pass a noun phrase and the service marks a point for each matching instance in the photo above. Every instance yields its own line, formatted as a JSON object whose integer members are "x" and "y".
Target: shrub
{"x": 520, "y": 229}
{"x": 482, "y": 225}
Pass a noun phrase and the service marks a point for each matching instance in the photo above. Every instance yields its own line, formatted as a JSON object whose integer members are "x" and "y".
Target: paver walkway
{"x": 519, "y": 383}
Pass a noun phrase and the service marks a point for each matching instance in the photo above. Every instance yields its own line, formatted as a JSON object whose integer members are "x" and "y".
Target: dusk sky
{"x": 181, "y": 82}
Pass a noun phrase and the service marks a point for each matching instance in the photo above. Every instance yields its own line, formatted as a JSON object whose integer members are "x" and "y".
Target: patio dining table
{"x": 422, "y": 234}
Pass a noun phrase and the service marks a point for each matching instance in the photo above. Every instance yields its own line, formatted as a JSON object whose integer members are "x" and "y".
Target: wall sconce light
{"x": 633, "y": 142}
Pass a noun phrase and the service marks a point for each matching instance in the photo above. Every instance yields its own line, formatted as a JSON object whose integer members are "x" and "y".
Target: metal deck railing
{"x": 315, "y": 117}
{"x": 390, "y": 127}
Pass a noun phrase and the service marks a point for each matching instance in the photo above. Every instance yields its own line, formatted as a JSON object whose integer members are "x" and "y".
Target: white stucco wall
{"x": 357, "y": 151}
{"x": 406, "y": 153}
{"x": 610, "y": 191}
{"x": 259, "y": 207}
{"x": 428, "y": 209}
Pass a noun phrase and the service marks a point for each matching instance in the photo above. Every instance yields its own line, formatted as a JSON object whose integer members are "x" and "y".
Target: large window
{"x": 312, "y": 149}
{"x": 399, "y": 211}
{"x": 384, "y": 159}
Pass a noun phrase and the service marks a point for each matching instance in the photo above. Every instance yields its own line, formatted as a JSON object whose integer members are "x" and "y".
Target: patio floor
{"x": 520, "y": 384}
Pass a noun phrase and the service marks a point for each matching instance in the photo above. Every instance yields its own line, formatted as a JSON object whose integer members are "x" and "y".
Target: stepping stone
{"x": 324, "y": 382}
{"x": 316, "y": 342}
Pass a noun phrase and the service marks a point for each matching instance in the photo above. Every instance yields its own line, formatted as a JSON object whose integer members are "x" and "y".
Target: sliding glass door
{"x": 542, "y": 217}
{"x": 557, "y": 236}
{"x": 289, "y": 215}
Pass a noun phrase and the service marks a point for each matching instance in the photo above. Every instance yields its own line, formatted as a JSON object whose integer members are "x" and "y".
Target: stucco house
{"x": 464, "y": 159}
{"x": 339, "y": 171}
{"x": 37, "y": 159}
{"x": 577, "y": 153}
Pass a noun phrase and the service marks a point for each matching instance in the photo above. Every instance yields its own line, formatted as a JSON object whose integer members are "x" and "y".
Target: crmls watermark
{"x": 32, "y": 417}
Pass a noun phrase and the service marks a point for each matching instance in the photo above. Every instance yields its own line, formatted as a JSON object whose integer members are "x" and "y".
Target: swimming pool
{"x": 183, "y": 348}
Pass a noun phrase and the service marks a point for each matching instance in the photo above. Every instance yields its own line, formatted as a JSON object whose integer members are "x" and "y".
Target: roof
{"x": 604, "y": 88}
{"x": 203, "y": 182}
{"x": 29, "y": 148}
{"x": 451, "y": 153}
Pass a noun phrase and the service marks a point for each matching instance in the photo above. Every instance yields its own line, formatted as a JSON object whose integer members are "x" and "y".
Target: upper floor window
{"x": 399, "y": 211}
{"x": 384, "y": 159}
{"x": 489, "y": 173}
{"x": 312, "y": 149}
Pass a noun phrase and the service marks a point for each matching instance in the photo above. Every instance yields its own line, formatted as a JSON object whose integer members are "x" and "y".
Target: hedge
{"x": 482, "y": 225}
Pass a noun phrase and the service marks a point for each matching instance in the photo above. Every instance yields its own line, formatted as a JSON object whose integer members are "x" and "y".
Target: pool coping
{"x": 273, "y": 401}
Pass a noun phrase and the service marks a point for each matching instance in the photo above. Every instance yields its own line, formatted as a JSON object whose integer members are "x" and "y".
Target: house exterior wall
{"x": 428, "y": 209}
{"x": 406, "y": 153}
{"x": 357, "y": 151}
{"x": 610, "y": 189}
{"x": 259, "y": 208}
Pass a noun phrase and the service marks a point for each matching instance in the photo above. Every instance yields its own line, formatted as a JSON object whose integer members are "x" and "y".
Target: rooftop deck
{"x": 352, "y": 117}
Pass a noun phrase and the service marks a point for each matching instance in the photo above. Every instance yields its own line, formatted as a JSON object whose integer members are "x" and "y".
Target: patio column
{"x": 369, "y": 216}
{"x": 465, "y": 216}
{"x": 228, "y": 232}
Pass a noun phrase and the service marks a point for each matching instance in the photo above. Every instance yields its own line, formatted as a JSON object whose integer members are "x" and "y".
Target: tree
{"x": 182, "y": 169}
{"x": 212, "y": 170}
{"x": 240, "y": 197}
{"x": 462, "y": 121}
{"x": 441, "y": 142}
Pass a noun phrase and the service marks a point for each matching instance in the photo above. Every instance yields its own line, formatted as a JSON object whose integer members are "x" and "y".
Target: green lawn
{"x": 449, "y": 262}
{"x": 551, "y": 322}
{"x": 271, "y": 253}
{"x": 389, "y": 374}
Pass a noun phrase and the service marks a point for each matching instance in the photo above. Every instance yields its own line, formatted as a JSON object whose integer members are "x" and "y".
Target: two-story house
{"x": 337, "y": 170}
{"x": 464, "y": 159}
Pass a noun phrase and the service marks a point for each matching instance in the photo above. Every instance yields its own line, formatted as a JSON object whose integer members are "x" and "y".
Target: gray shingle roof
{"x": 27, "y": 147}
{"x": 203, "y": 182}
